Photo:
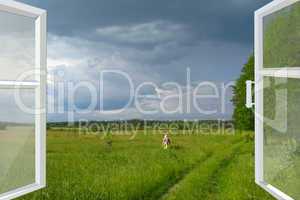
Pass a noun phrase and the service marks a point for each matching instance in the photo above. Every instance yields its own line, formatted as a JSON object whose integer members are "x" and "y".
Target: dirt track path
{"x": 208, "y": 171}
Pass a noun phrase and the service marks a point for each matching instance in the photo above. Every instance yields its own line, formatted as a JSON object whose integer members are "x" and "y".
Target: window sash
{"x": 39, "y": 86}
{"x": 260, "y": 73}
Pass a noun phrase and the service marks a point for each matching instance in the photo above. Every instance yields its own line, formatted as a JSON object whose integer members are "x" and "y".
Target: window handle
{"x": 249, "y": 103}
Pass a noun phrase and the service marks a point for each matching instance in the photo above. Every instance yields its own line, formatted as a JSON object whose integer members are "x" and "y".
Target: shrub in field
{"x": 243, "y": 117}
{"x": 2, "y": 126}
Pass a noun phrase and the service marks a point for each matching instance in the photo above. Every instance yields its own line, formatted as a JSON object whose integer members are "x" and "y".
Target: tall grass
{"x": 87, "y": 167}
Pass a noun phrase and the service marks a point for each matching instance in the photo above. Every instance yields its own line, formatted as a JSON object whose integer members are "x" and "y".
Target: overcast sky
{"x": 151, "y": 40}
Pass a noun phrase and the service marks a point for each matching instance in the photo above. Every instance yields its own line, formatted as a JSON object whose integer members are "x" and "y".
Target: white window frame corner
{"x": 39, "y": 86}
{"x": 261, "y": 72}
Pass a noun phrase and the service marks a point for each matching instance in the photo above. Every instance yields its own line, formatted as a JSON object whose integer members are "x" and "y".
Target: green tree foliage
{"x": 281, "y": 38}
{"x": 282, "y": 49}
{"x": 243, "y": 117}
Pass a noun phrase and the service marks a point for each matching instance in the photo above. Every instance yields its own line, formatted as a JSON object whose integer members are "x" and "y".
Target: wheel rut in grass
{"x": 209, "y": 182}
{"x": 212, "y": 189}
{"x": 159, "y": 192}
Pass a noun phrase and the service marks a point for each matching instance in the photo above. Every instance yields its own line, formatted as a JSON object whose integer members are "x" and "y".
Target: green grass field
{"x": 195, "y": 167}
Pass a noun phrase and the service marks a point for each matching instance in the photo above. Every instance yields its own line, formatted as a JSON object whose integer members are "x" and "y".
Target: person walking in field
{"x": 166, "y": 141}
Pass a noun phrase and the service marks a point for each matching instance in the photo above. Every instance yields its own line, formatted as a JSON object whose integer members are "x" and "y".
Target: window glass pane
{"x": 282, "y": 134}
{"x": 17, "y": 37}
{"x": 281, "y": 38}
{"x": 17, "y": 141}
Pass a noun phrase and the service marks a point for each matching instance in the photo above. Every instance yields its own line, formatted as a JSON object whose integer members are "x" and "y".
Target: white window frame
{"x": 39, "y": 86}
{"x": 260, "y": 72}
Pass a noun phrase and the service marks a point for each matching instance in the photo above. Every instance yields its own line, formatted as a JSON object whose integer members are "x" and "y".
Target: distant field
{"x": 195, "y": 167}
{"x": 17, "y": 155}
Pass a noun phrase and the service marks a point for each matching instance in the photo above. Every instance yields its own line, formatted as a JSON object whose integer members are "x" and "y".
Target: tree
{"x": 243, "y": 117}
{"x": 281, "y": 49}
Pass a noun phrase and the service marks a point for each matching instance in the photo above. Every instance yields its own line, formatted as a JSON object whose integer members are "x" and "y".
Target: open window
{"x": 277, "y": 98}
{"x": 22, "y": 99}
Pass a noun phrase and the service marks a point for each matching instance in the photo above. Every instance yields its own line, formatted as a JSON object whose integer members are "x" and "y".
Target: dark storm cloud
{"x": 151, "y": 40}
{"x": 226, "y": 20}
